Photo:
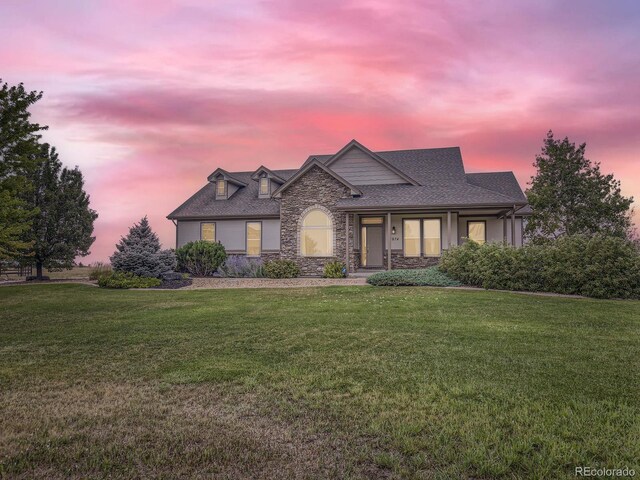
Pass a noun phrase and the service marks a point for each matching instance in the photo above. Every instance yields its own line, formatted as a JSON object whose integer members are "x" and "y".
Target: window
{"x": 221, "y": 188}
{"x": 264, "y": 186}
{"x": 254, "y": 239}
{"x": 316, "y": 235}
{"x": 477, "y": 231}
{"x": 431, "y": 236}
{"x": 371, "y": 220}
{"x": 208, "y": 232}
{"x": 411, "y": 238}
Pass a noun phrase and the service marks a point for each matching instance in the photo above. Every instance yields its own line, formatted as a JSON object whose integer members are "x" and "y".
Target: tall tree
{"x": 18, "y": 157}
{"x": 62, "y": 230}
{"x": 569, "y": 195}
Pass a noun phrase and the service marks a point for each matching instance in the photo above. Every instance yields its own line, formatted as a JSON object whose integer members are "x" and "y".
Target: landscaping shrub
{"x": 598, "y": 266}
{"x": 201, "y": 258}
{"x": 419, "y": 277}
{"x": 139, "y": 253}
{"x": 98, "y": 269}
{"x": 281, "y": 269}
{"x": 238, "y": 266}
{"x": 127, "y": 280}
{"x": 335, "y": 269}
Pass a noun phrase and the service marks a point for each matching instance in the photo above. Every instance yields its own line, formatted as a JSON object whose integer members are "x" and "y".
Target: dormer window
{"x": 221, "y": 188}
{"x": 264, "y": 186}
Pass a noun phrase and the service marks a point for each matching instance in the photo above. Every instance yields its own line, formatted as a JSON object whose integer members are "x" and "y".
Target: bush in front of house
{"x": 239, "y": 266}
{"x": 200, "y": 258}
{"x": 335, "y": 269}
{"x": 139, "y": 253}
{"x": 127, "y": 280}
{"x": 599, "y": 266}
{"x": 281, "y": 269}
{"x": 419, "y": 277}
{"x": 99, "y": 269}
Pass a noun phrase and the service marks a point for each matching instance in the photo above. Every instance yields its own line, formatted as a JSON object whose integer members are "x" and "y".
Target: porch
{"x": 393, "y": 239}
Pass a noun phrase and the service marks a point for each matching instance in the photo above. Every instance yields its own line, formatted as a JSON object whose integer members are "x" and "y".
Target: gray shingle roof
{"x": 440, "y": 172}
{"x": 456, "y": 194}
{"x": 244, "y": 202}
{"x": 428, "y": 166}
{"x": 503, "y": 182}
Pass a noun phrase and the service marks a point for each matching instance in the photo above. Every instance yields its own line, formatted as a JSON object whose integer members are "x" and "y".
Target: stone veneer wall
{"x": 266, "y": 256}
{"x": 398, "y": 260}
{"x": 316, "y": 188}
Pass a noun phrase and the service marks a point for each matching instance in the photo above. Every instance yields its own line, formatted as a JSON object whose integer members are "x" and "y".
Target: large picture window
{"x": 254, "y": 239}
{"x": 208, "y": 232}
{"x": 411, "y": 238}
{"x": 431, "y": 237}
{"x": 316, "y": 235}
{"x": 477, "y": 231}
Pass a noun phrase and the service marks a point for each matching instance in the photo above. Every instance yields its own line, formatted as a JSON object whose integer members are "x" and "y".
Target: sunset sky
{"x": 149, "y": 97}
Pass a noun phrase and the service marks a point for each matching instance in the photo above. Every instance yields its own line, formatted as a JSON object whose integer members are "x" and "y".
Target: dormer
{"x": 268, "y": 182}
{"x": 225, "y": 184}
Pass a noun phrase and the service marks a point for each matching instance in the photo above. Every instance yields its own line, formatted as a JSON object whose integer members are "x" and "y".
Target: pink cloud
{"x": 149, "y": 97}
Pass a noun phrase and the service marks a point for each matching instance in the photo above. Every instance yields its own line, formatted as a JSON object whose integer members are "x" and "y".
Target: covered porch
{"x": 386, "y": 239}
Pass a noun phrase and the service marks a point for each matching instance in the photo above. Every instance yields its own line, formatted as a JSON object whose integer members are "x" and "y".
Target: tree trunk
{"x": 39, "y": 270}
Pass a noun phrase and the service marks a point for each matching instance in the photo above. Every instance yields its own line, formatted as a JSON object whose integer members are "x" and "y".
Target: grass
{"x": 421, "y": 277}
{"x": 337, "y": 382}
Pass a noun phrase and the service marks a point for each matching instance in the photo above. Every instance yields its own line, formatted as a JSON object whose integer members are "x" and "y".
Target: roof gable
{"x": 227, "y": 176}
{"x": 359, "y": 165}
{"x": 264, "y": 170}
{"x": 308, "y": 166}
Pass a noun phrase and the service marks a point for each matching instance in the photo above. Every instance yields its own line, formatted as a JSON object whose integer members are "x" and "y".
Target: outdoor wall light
{"x": 393, "y": 230}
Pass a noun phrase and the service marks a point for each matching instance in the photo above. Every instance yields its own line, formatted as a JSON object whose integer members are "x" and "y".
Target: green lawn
{"x": 338, "y": 382}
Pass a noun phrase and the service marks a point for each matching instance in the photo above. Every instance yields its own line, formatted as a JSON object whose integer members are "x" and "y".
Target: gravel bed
{"x": 202, "y": 283}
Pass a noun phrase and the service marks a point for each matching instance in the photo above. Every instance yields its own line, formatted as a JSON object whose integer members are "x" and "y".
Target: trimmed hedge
{"x": 598, "y": 266}
{"x": 420, "y": 277}
{"x": 127, "y": 280}
{"x": 281, "y": 269}
{"x": 335, "y": 269}
{"x": 200, "y": 258}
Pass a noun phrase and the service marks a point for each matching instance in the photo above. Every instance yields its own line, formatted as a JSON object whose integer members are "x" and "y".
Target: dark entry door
{"x": 372, "y": 246}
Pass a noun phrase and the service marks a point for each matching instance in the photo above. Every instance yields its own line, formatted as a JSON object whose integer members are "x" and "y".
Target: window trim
{"x": 215, "y": 231}
{"x": 422, "y": 238}
{"x": 246, "y": 238}
{"x": 404, "y": 237}
{"x": 332, "y": 227}
{"x": 224, "y": 183}
{"x": 268, "y": 183}
{"x": 478, "y": 221}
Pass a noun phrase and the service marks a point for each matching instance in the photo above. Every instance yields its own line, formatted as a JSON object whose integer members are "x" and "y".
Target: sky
{"x": 148, "y": 97}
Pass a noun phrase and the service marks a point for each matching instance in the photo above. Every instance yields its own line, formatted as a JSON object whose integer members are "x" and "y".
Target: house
{"x": 377, "y": 210}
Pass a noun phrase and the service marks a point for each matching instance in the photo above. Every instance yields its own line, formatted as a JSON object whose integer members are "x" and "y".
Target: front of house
{"x": 371, "y": 210}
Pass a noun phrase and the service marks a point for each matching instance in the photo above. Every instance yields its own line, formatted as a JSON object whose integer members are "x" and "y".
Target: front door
{"x": 372, "y": 247}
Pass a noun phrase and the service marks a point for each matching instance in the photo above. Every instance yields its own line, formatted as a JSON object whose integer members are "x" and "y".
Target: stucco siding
{"x": 358, "y": 168}
{"x": 232, "y": 233}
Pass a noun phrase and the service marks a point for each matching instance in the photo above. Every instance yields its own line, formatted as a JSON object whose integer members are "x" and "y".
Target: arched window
{"x": 316, "y": 235}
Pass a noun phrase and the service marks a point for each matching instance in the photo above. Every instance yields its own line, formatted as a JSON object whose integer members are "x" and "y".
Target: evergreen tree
{"x": 570, "y": 196}
{"x": 63, "y": 226}
{"x": 139, "y": 253}
{"x": 18, "y": 157}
